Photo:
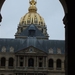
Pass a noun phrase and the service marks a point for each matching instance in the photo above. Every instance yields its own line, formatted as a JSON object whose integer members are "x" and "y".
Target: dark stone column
{"x": 65, "y": 21}
{"x": 70, "y": 38}
{"x": 0, "y": 17}
{"x": 1, "y": 4}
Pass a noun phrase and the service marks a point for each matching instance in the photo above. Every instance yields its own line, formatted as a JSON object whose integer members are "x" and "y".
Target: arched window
{"x": 31, "y": 62}
{"x": 50, "y": 63}
{"x": 11, "y": 62}
{"x": 58, "y": 64}
{"x": 3, "y": 60}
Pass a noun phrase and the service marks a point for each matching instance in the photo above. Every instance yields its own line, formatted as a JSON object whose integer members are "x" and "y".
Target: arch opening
{"x": 30, "y": 62}
{"x": 3, "y": 61}
{"x": 11, "y": 62}
{"x": 58, "y": 64}
{"x": 50, "y": 63}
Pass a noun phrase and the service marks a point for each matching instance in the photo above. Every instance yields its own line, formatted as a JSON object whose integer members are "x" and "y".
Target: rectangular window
{"x": 40, "y": 64}
{"x": 21, "y": 64}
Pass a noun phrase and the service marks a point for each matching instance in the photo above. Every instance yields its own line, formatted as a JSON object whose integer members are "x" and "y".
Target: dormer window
{"x": 51, "y": 51}
{"x": 31, "y": 33}
{"x": 11, "y": 49}
{"x": 3, "y": 49}
{"x": 58, "y": 51}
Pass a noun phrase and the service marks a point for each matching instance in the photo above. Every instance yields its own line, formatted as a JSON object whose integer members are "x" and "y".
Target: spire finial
{"x": 32, "y": 7}
{"x": 32, "y": 2}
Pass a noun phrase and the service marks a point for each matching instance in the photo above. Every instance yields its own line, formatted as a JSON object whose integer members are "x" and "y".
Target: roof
{"x": 31, "y": 27}
{"x": 42, "y": 44}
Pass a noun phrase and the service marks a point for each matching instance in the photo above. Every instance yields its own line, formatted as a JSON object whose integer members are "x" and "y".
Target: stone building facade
{"x": 31, "y": 52}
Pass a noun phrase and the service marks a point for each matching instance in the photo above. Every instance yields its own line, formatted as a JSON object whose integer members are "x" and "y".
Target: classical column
{"x": 43, "y": 62}
{"x": 34, "y": 61}
{"x": 46, "y": 63}
{"x": 24, "y": 61}
{"x": 18, "y": 61}
{"x": 62, "y": 65}
{"x": 37, "y": 62}
{"x": 15, "y": 62}
{"x": 6, "y": 64}
{"x": 54, "y": 65}
{"x": 27, "y": 62}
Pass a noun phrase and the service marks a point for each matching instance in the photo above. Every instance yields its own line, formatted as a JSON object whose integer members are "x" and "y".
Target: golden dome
{"x": 32, "y": 17}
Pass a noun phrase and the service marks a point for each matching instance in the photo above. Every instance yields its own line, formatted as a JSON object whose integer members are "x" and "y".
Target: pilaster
{"x": 62, "y": 65}
{"x": 7, "y": 64}
{"x": 54, "y": 65}
{"x": 18, "y": 61}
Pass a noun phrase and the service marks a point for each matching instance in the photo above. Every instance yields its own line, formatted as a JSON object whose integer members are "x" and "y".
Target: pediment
{"x": 30, "y": 50}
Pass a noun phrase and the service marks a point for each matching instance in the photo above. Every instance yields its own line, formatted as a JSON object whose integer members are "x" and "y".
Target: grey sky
{"x": 51, "y": 10}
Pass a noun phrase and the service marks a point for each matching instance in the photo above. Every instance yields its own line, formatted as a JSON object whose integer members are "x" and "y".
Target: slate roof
{"x": 32, "y": 27}
{"x": 41, "y": 44}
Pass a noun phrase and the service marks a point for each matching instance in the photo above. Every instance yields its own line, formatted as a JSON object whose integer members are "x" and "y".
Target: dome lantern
{"x": 32, "y": 7}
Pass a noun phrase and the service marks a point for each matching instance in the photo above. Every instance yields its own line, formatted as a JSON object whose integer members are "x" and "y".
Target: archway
{"x": 65, "y": 10}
